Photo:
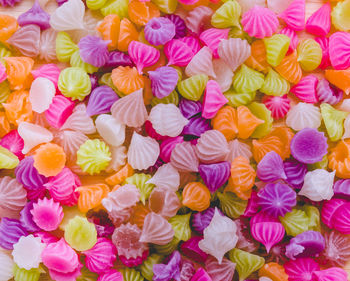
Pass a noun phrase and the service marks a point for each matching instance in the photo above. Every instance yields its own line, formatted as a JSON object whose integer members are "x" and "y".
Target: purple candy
{"x": 196, "y": 126}
{"x": 201, "y": 220}
{"x": 309, "y": 146}
{"x": 169, "y": 271}
{"x": 277, "y": 199}
{"x": 93, "y": 50}
{"x": 159, "y": 31}
{"x": 35, "y": 15}
{"x": 101, "y": 100}
{"x": 328, "y": 93}
{"x": 10, "y": 232}
{"x": 270, "y": 168}
{"x": 215, "y": 175}
{"x": 306, "y": 244}
{"x": 342, "y": 188}
{"x": 60, "y": 2}
{"x": 26, "y": 218}
{"x": 295, "y": 172}
{"x": 180, "y": 26}
{"x": 163, "y": 81}
{"x": 93, "y": 80}
{"x": 117, "y": 58}
{"x": 190, "y": 108}
{"x": 28, "y": 175}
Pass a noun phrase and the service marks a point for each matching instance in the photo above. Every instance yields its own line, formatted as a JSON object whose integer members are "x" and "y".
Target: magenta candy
{"x": 132, "y": 262}
{"x": 212, "y": 38}
{"x": 192, "y": 42}
{"x": 163, "y": 81}
{"x": 10, "y": 232}
{"x": 93, "y": 50}
{"x": 35, "y": 15}
{"x": 180, "y": 26}
{"x": 190, "y": 249}
{"x": 309, "y": 146}
{"x": 60, "y": 109}
{"x": 305, "y": 90}
{"x": 117, "y": 58}
{"x": 215, "y": 175}
{"x": 111, "y": 275}
{"x": 13, "y": 142}
{"x": 62, "y": 187}
{"x": 34, "y": 194}
{"x": 201, "y": 275}
{"x": 270, "y": 168}
{"x": 59, "y": 276}
{"x": 294, "y": 15}
{"x": 187, "y": 270}
{"x": 342, "y": 188}
{"x": 201, "y": 220}
{"x": 196, "y": 126}
{"x": 93, "y": 80}
{"x": 46, "y": 237}
{"x": 328, "y": 210}
{"x": 253, "y": 205}
{"x": 169, "y": 271}
{"x": 47, "y": 214}
{"x": 341, "y": 218}
{"x": 101, "y": 100}
{"x": 190, "y": 108}
{"x": 279, "y": 106}
{"x": 26, "y": 218}
{"x": 213, "y": 99}
{"x": 331, "y": 274}
{"x": 324, "y": 43}
{"x": 178, "y": 53}
{"x": 50, "y": 71}
{"x": 159, "y": 31}
{"x": 142, "y": 55}
{"x": 28, "y": 175}
{"x": 328, "y": 93}
{"x": 319, "y": 23}
{"x": 339, "y": 46}
{"x": 6, "y": 3}
{"x": 167, "y": 146}
{"x": 295, "y": 172}
{"x": 301, "y": 269}
{"x": 307, "y": 244}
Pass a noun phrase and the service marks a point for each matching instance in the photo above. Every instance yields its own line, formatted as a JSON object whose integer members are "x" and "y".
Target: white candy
{"x": 110, "y": 129}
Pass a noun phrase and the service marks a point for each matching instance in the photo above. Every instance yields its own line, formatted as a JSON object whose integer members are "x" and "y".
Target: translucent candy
{"x": 26, "y": 40}
{"x": 6, "y": 266}
{"x": 247, "y": 80}
{"x": 309, "y": 54}
{"x": 318, "y": 185}
{"x": 130, "y": 274}
{"x": 302, "y": 116}
{"x": 328, "y": 93}
{"x": 301, "y": 269}
{"x": 294, "y": 15}
{"x": 28, "y": 175}
{"x": 65, "y": 47}
{"x": 219, "y": 237}
{"x": 8, "y": 160}
{"x": 201, "y": 63}
{"x": 48, "y": 45}
{"x": 339, "y": 78}
{"x": 294, "y": 39}
{"x": 257, "y": 60}
{"x": 181, "y": 226}
{"x": 41, "y": 94}
{"x": 232, "y": 205}
{"x": 142, "y": 55}
{"x": 192, "y": 88}
{"x": 196, "y": 196}
{"x": 295, "y": 222}
{"x": 324, "y": 44}
{"x": 164, "y": 202}
{"x": 333, "y": 120}
{"x": 178, "y": 53}
{"x": 246, "y": 263}
{"x": 274, "y": 84}
{"x": 47, "y": 214}
{"x": 110, "y": 130}
{"x": 142, "y": 12}
{"x": 290, "y": 68}
{"x": 223, "y": 74}
{"x": 220, "y": 272}
{"x": 68, "y": 16}
{"x": 18, "y": 71}
{"x": 259, "y": 22}
{"x": 279, "y": 106}
{"x": 170, "y": 270}
{"x": 214, "y": 175}
{"x": 130, "y": 110}
{"x": 180, "y": 27}
{"x": 49, "y": 159}
{"x": 338, "y": 45}
{"x": 272, "y": 271}
{"x": 93, "y": 50}
{"x": 333, "y": 273}
{"x": 156, "y": 230}
{"x": 338, "y": 159}
{"x": 227, "y": 15}
{"x": 163, "y": 81}
{"x": 118, "y": 7}
{"x": 336, "y": 252}
{"x": 212, "y": 38}
{"x": 270, "y": 168}
{"x": 13, "y": 199}
{"x": 147, "y": 266}
{"x": 340, "y": 16}
{"x": 238, "y": 148}
{"x": 276, "y": 48}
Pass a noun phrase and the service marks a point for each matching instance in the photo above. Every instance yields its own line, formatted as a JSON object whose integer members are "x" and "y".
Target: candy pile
{"x": 188, "y": 140}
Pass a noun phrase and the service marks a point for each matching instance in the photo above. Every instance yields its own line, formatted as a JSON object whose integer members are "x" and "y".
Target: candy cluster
{"x": 189, "y": 140}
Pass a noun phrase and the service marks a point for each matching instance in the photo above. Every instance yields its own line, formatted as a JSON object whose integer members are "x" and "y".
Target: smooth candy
{"x": 41, "y": 94}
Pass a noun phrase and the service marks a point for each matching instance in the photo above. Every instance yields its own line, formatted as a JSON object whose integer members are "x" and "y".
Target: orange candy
{"x": 120, "y": 176}
{"x": 285, "y": 135}
{"x": 339, "y": 159}
{"x": 8, "y": 26}
{"x": 196, "y": 196}
{"x": 140, "y": 211}
{"x": 265, "y": 145}
{"x": 91, "y": 196}
{"x": 127, "y": 33}
{"x": 274, "y": 271}
{"x": 127, "y": 79}
{"x": 225, "y": 121}
{"x": 290, "y": 68}
{"x": 18, "y": 107}
{"x": 246, "y": 122}
{"x": 257, "y": 59}
{"x": 141, "y": 12}
{"x": 242, "y": 178}
{"x": 339, "y": 78}
{"x": 49, "y": 159}
{"x": 19, "y": 72}
{"x": 147, "y": 91}
{"x": 109, "y": 29}
{"x": 4, "y": 125}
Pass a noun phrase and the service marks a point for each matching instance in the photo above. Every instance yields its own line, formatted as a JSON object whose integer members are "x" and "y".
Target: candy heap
{"x": 188, "y": 140}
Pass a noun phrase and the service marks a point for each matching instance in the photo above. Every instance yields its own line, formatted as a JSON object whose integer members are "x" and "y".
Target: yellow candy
{"x": 166, "y": 6}
{"x": 247, "y": 80}
{"x": 65, "y": 47}
{"x": 228, "y": 15}
{"x": 333, "y": 120}
{"x": 237, "y": 99}
{"x": 275, "y": 84}
{"x": 69, "y": 213}
{"x": 341, "y": 15}
{"x": 192, "y": 88}
{"x": 309, "y": 54}
{"x": 7, "y": 159}
{"x": 119, "y": 7}
{"x": 295, "y": 222}
{"x": 80, "y": 234}
{"x": 95, "y": 4}
{"x": 261, "y": 112}
{"x": 276, "y": 48}
{"x": 76, "y": 61}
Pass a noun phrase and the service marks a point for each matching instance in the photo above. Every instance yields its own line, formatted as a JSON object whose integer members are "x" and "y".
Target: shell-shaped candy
{"x": 305, "y": 90}
{"x": 328, "y": 93}
{"x": 79, "y": 120}
{"x": 49, "y": 71}
{"x": 197, "y": 18}
{"x": 109, "y": 27}
{"x": 212, "y": 38}
{"x": 270, "y": 168}
{"x": 156, "y": 230}
{"x": 215, "y": 175}
{"x": 301, "y": 269}
{"x": 333, "y": 273}
{"x": 18, "y": 71}
{"x": 41, "y": 94}
{"x": 309, "y": 54}
{"x": 28, "y": 175}
{"x": 247, "y": 80}
{"x": 247, "y": 122}
{"x": 232, "y": 205}
{"x": 213, "y": 99}
{"x": 227, "y": 15}
{"x": 319, "y": 23}
{"x": 115, "y": 201}
{"x": 110, "y": 130}
{"x": 294, "y": 15}
{"x": 290, "y": 68}
{"x": 130, "y": 110}
{"x": 74, "y": 82}
{"x": 101, "y": 100}
{"x": 318, "y": 185}
{"x": 220, "y": 272}
{"x": 196, "y": 196}
{"x": 178, "y": 53}
{"x": 201, "y": 63}
{"x": 35, "y": 15}
{"x": 223, "y": 73}
{"x": 65, "y": 47}
{"x": 339, "y": 43}
{"x": 276, "y": 48}
{"x": 333, "y": 120}
{"x": 238, "y": 148}
{"x": 339, "y": 78}
{"x": 60, "y": 110}
{"x": 329, "y": 209}
{"x": 166, "y": 177}
{"x": 279, "y": 106}
{"x": 7, "y": 265}
{"x": 90, "y": 196}
{"x": 143, "y": 152}
{"x": 69, "y": 16}
{"x": 275, "y": 84}
{"x": 259, "y": 22}
{"x": 164, "y": 202}
{"x": 142, "y": 55}
{"x": 338, "y": 159}
{"x": 184, "y": 157}
{"x": 26, "y": 40}
{"x": 93, "y": 50}
{"x": 302, "y": 116}
{"x": 339, "y": 19}
{"x": 219, "y": 237}
{"x": 225, "y": 121}
{"x": 336, "y": 252}
{"x": 8, "y": 159}
{"x": 163, "y": 81}
{"x": 11, "y": 230}
{"x": 192, "y": 88}
{"x": 234, "y": 52}
{"x": 126, "y": 79}
{"x": 196, "y": 126}
{"x": 294, "y": 39}
{"x": 13, "y": 142}
{"x": 257, "y": 60}
{"x": 180, "y": 27}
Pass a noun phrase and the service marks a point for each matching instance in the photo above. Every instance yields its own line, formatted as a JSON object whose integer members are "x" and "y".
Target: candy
{"x": 169, "y": 270}
{"x": 228, "y": 51}
{"x": 247, "y": 80}
{"x": 294, "y": 15}
{"x": 68, "y": 16}
{"x": 328, "y": 93}
{"x": 26, "y": 40}
{"x": 192, "y": 88}
{"x": 290, "y": 69}
{"x": 48, "y": 45}
{"x": 309, "y": 54}
{"x": 93, "y": 50}
{"x": 331, "y": 273}
{"x": 41, "y": 94}
{"x": 74, "y": 83}
{"x": 232, "y": 205}
{"x": 183, "y": 156}
{"x": 319, "y": 23}
{"x": 164, "y": 202}
{"x": 49, "y": 159}
{"x": 181, "y": 226}
{"x": 339, "y": 16}
{"x": 163, "y": 81}
{"x": 6, "y": 266}
{"x": 156, "y": 230}
{"x": 201, "y": 63}
{"x": 274, "y": 84}
{"x": 303, "y": 116}
{"x": 196, "y": 196}
{"x": 276, "y": 48}
{"x": 191, "y": 249}
{"x": 223, "y": 271}
{"x": 301, "y": 268}
{"x": 333, "y": 120}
